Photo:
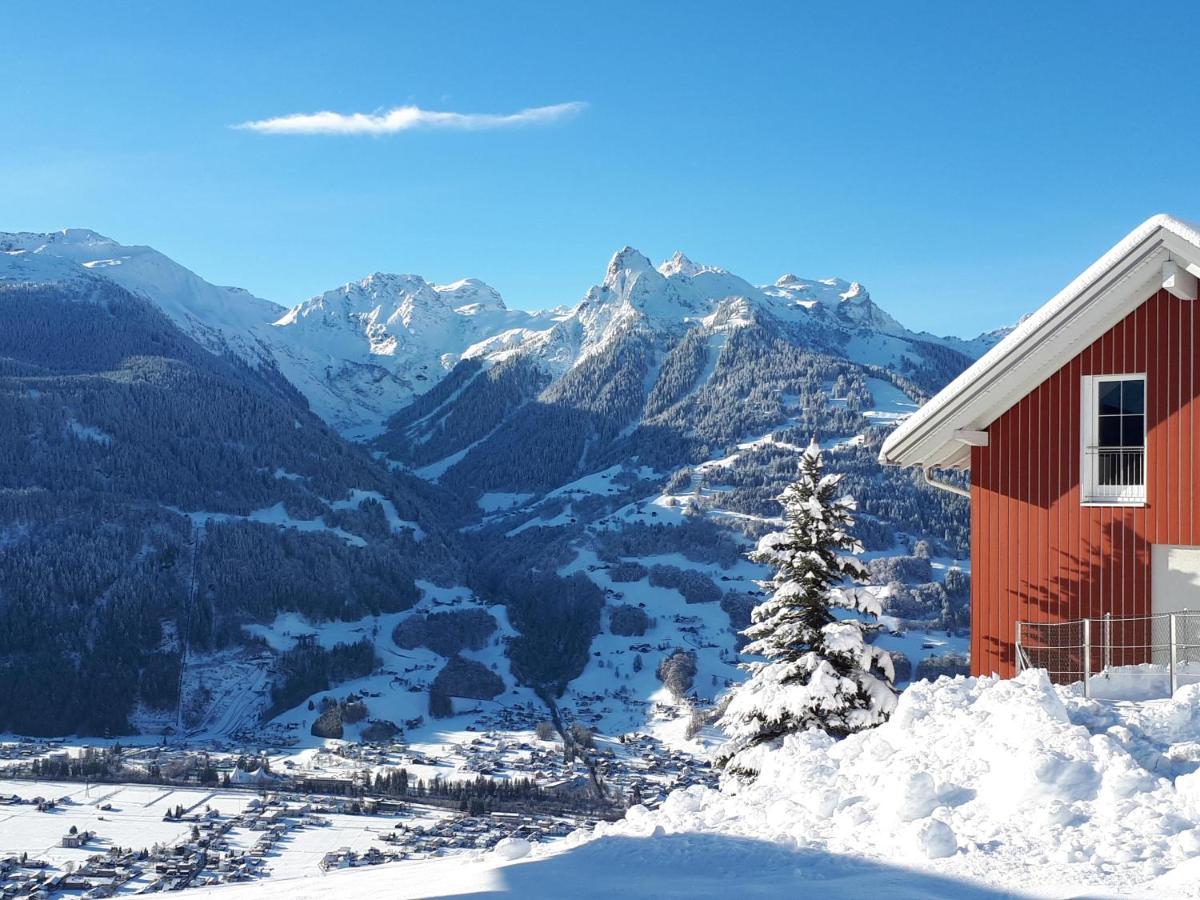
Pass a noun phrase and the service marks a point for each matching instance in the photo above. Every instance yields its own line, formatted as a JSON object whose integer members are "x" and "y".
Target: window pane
{"x": 1109, "y": 397}
{"x": 1110, "y": 431}
{"x": 1131, "y": 431}
{"x": 1133, "y": 396}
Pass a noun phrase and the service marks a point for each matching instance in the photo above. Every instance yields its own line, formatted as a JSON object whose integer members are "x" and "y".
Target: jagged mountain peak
{"x": 389, "y": 279}
{"x": 390, "y": 296}
{"x": 392, "y": 291}
{"x": 855, "y": 291}
{"x": 846, "y": 302}
{"x": 679, "y": 264}
{"x": 84, "y": 236}
{"x": 628, "y": 259}
{"x": 625, "y": 270}
{"x": 826, "y": 291}
{"x": 385, "y": 284}
{"x": 362, "y": 350}
{"x": 383, "y": 308}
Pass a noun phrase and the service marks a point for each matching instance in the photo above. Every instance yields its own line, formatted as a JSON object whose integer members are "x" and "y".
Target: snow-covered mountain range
{"x": 619, "y": 452}
{"x": 362, "y": 351}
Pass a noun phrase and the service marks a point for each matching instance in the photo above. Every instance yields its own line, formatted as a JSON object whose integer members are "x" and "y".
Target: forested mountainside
{"x": 708, "y": 407}
{"x": 143, "y": 485}
{"x": 184, "y": 467}
{"x": 648, "y": 449}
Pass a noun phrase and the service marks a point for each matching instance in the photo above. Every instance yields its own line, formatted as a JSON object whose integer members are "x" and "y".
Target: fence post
{"x": 1108, "y": 641}
{"x": 1017, "y": 647}
{"x": 1087, "y": 657}
{"x": 1174, "y": 659}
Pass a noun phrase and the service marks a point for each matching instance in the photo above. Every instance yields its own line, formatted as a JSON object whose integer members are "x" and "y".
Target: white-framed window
{"x": 1114, "y": 439}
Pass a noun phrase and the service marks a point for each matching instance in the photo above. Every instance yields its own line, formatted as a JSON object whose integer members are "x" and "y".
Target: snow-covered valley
{"x": 412, "y": 532}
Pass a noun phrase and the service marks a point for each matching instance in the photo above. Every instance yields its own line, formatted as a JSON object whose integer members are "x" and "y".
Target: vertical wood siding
{"x": 1038, "y": 555}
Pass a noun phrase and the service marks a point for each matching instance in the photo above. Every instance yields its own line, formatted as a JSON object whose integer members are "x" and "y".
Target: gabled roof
{"x": 1162, "y": 252}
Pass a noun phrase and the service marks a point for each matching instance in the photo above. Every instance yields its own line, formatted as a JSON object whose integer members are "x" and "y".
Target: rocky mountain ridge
{"x": 362, "y": 351}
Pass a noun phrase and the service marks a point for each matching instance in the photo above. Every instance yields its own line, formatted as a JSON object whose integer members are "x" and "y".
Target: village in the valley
{"x": 111, "y": 820}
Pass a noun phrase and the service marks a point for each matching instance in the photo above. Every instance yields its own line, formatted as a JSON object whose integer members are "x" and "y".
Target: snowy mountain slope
{"x": 680, "y": 292}
{"x": 185, "y": 493}
{"x": 356, "y": 353}
{"x": 362, "y": 351}
{"x": 614, "y": 365}
{"x": 219, "y": 318}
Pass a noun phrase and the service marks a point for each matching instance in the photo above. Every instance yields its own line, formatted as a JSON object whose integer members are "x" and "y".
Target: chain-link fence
{"x": 1115, "y": 656}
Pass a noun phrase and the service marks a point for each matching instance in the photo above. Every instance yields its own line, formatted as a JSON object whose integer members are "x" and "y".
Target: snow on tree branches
{"x": 818, "y": 671}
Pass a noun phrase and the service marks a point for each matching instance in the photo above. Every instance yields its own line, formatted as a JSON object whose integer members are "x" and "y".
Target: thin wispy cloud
{"x": 410, "y": 118}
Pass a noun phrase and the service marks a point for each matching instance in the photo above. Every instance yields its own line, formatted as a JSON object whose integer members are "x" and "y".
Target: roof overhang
{"x": 1162, "y": 252}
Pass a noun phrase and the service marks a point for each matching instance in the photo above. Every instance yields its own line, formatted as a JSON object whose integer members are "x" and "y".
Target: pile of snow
{"x": 1014, "y": 783}
{"x": 512, "y": 848}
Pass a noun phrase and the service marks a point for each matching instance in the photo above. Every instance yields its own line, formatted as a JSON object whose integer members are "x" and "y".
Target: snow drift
{"x": 1014, "y": 782}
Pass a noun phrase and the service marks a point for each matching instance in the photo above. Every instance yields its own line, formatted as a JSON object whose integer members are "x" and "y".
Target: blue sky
{"x": 964, "y": 161}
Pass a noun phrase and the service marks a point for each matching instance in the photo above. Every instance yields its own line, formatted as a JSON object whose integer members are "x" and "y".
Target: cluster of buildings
{"x": 22, "y": 875}
{"x": 512, "y": 718}
{"x": 472, "y": 833}
{"x": 647, "y": 770}
{"x": 28, "y": 750}
{"x": 210, "y": 854}
{"x": 637, "y": 769}
{"x": 204, "y": 857}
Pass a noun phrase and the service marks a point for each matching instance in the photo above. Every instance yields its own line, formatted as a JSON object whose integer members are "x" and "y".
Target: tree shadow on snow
{"x": 708, "y": 865}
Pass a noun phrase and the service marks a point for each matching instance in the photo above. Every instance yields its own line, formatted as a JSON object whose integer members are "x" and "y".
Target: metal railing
{"x": 1116, "y": 473}
{"x": 1140, "y": 655}
{"x": 1119, "y": 465}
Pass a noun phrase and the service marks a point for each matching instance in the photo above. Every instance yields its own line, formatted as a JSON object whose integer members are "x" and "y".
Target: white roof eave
{"x": 1075, "y": 317}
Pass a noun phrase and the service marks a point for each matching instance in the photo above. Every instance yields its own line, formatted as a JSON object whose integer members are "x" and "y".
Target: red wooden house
{"x": 1081, "y": 431}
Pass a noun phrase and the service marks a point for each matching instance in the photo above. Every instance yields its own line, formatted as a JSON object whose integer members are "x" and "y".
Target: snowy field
{"x": 135, "y": 819}
{"x": 132, "y": 817}
{"x": 977, "y": 788}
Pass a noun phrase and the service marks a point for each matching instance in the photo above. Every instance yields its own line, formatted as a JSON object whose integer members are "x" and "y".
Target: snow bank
{"x": 978, "y": 778}
{"x": 512, "y": 848}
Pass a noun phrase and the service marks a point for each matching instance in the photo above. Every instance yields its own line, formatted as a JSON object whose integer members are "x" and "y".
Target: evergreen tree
{"x": 818, "y": 671}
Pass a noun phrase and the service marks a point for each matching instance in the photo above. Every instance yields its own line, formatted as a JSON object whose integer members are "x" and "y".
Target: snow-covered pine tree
{"x": 818, "y": 671}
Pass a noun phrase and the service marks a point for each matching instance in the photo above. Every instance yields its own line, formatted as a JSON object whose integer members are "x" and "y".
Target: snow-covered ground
{"x": 891, "y": 404}
{"x": 975, "y": 788}
{"x": 135, "y": 816}
{"x": 700, "y": 627}
{"x": 278, "y": 516}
